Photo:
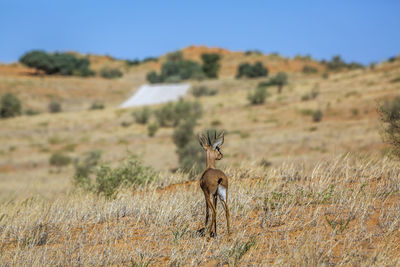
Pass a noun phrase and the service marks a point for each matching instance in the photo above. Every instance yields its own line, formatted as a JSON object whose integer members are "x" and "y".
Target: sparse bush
{"x": 131, "y": 63}
{"x": 317, "y": 115}
{"x": 57, "y": 63}
{"x": 202, "y": 90}
{"x": 311, "y": 95}
{"x": 54, "y": 106}
{"x": 258, "y": 96}
{"x": 171, "y": 114}
{"x": 337, "y": 64}
{"x": 142, "y": 116}
{"x": 152, "y": 129}
{"x": 211, "y": 64}
{"x": 253, "y": 52}
{"x": 131, "y": 173}
{"x": 280, "y": 80}
{"x": 390, "y": 116}
{"x": 165, "y": 115}
{"x": 189, "y": 152}
{"x": 32, "y": 112}
{"x": 10, "y": 106}
{"x": 309, "y": 70}
{"x": 97, "y": 105}
{"x": 85, "y": 168}
{"x": 150, "y": 59}
{"x": 110, "y": 73}
{"x": 252, "y": 71}
{"x": 153, "y": 77}
{"x": 59, "y": 160}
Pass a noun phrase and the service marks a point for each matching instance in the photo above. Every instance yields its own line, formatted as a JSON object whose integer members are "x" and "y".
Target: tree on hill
{"x": 252, "y": 71}
{"x": 10, "y": 106}
{"x": 280, "y": 80}
{"x": 57, "y": 63}
{"x": 176, "y": 69}
{"x": 211, "y": 64}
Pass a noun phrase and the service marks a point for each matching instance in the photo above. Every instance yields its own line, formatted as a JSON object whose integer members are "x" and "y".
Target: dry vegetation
{"x": 345, "y": 212}
{"x": 310, "y": 207}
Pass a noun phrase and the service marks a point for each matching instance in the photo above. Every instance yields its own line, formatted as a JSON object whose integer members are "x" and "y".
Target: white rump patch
{"x": 222, "y": 192}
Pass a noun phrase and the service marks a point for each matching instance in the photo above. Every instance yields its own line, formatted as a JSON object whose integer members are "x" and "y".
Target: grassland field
{"x": 329, "y": 197}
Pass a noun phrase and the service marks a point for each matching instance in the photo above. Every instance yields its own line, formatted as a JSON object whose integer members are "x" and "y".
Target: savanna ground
{"x": 329, "y": 197}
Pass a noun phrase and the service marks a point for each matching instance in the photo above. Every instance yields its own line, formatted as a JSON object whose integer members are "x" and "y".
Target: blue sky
{"x": 364, "y": 31}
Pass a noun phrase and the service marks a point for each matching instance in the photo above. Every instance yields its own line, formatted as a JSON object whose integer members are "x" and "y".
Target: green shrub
{"x": 153, "y": 77}
{"x": 311, "y": 95}
{"x": 175, "y": 56}
{"x": 54, "y": 106}
{"x": 171, "y": 114}
{"x": 142, "y": 116}
{"x": 150, "y": 59}
{"x": 131, "y": 63}
{"x": 211, "y": 64}
{"x": 84, "y": 169}
{"x": 96, "y": 105}
{"x": 337, "y": 64}
{"x": 59, "y": 160}
{"x": 258, "y": 96}
{"x": 389, "y": 112}
{"x": 131, "y": 173}
{"x": 152, "y": 128}
{"x": 165, "y": 115}
{"x": 202, "y": 90}
{"x": 253, "y": 52}
{"x": 317, "y": 116}
{"x": 110, "y": 73}
{"x": 252, "y": 71}
{"x": 57, "y": 63}
{"x": 31, "y": 112}
{"x": 10, "y": 106}
{"x": 309, "y": 70}
{"x": 189, "y": 152}
{"x": 280, "y": 80}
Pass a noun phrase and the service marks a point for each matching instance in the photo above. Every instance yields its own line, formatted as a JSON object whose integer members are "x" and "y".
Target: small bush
{"x": 31, "y": 112}
{"x": 253, "y": 52}
{"x": 97, "y": 105}
{"x": 10, "y": 106}
{"x": 110, "y": 73}
{"x": 131, "y": 173}
{"x": 131, "y": 63}
{"x": 189, "y": 152}
{"x": 211, "y": 64}
{"x": 258, "y": 96}
{"x": 150, "y": 59}
{"x": 252, "y": 71}
{"x": 309, "y": 70}
{"x": 280, "y": 80}
{"x": 202, "y": 90}
{"x": 142, "y": 116}
{"x": 54, "y": 106}
{"x": 84, "y": 169}
{"x": 171, "y": 114}
{"x": 152, "y": 128}
{"x": 317, "y": 116}
{"x": 153, "y": 77}
{"x": 389, "y": 112}
{"x": 59, "y": 160}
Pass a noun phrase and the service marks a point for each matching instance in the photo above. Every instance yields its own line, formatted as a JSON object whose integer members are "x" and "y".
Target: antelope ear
{"x": 202, "y": 141}
{"x": 219, "y": 140}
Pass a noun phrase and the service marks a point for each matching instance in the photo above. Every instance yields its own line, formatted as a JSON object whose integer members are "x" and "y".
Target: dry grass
{"x": 309, "y": 208}
{"x": 345, "y": 212}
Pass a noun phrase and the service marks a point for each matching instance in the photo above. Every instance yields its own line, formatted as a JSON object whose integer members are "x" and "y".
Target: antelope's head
{"x": 212, "y": 145}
